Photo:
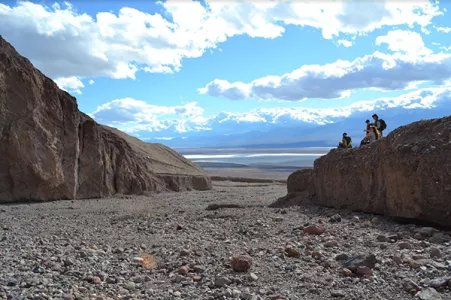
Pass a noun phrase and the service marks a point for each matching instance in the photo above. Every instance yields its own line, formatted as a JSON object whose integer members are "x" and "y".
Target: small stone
{"x": 355, "y": 219}
{"x": 177, "y": 294}
{"x": 197, "y": 278}
{"x": 199, "y": 269}
{"x": 425, "y": 232}
{"x": 12, "y": 283}
{"x": 183, "y": 270}
{"x": 405, "y": 245}
{"x": 247, "y": 296}
{"x": 438, "y": 238}
{"x": 435, "y": 253}
{"x": 331, "y": 244}
{"x": 335, "y": 218}
{"x": 364, "y": 271}
{"x": 96, "y": 280}
{"x": 39, "y": 270}
{"x": 253, "y": 277}
{"x": 410, "y": 286}
{"x": 439, "y": 282}
{"x": 314, "y": 230}
{"x": 361, "y": 260}
{"x": 338, "y": 294}
{"x": 316, "y": 255}
{"x": 184, "y": 252}
{"x": 429, "y": 294}
{"x": 222, "y": 281}
{"x": 292, "y": 252}
{"x": 382, "y": 238}
{"x": 241, "y": 263}
{"x": 68, "y": 262}
{"x": 129, "y": 285}
{"x": 179, "y": 227}
{"x": 346, "y": 272}
{"x": 341, "y": 257}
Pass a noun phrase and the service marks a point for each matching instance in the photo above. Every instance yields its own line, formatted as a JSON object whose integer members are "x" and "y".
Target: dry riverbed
{"x": 94, "y": 249}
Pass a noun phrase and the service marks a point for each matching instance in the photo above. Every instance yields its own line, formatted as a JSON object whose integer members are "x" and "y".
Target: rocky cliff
{"x": 406, "y": 174}
{"x": 49, "y": 150}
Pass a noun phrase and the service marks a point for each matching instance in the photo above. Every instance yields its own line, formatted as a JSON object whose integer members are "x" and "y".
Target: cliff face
{"x": 49, "y": 150}
{"x": 406, "y": 174}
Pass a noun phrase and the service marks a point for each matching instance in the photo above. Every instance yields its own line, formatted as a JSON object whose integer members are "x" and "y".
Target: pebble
{"x": 429, "y": 294}
{"x": 130, "y": 285}
{"x": 96, "y": 280}
{"x": 405, "y": 245}
{"x": 241, "y": 263}
{"x": 435, "y": 253}
{"x": 222, "y": 281}
{"x": 292, "y": 252}
{"x": 363, "y": 271}
{"x": 184, "y": 252}
{"x": 335, "y": 218}
{"x": 183, "y": 270}
{"x": 338, "y": 294}
{"x": 314, "y": 230}
{"x": 253, "y": 277}
{"x": 382, "y": 238}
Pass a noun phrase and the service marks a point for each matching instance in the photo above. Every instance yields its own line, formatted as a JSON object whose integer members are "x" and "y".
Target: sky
{"x": 166, "y": 69}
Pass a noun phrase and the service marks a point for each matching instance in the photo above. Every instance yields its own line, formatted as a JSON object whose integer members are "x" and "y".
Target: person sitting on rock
{"x": 368, "y": 124}
{"x": 370, "y": 137}
{"x": 346, "y": 142}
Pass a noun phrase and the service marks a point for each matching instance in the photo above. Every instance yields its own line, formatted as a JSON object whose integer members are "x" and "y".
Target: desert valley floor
{"x": 93, "y": 249}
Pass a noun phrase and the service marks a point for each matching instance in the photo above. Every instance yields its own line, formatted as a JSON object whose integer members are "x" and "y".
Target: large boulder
{"x": 49, "y": 150}
{"x": 406, "y": 174}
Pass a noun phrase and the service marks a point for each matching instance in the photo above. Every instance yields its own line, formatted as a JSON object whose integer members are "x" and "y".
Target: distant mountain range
{"x": 307, "y": 135}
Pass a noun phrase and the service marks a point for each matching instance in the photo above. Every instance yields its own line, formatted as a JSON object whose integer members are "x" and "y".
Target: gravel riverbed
{"x": 169, "y": 246}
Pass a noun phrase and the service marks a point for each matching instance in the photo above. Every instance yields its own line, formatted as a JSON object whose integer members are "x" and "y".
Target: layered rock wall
{"x": 49, "y": 150}
{"x": 406, "y": 174}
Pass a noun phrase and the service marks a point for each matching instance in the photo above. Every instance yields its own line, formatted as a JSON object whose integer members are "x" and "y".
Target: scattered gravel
{"x": 168, "y": 246}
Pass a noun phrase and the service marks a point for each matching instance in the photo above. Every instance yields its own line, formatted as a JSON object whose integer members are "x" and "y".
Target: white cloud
{"x": 336, "y": 80}
{"x": 138, "y": 114}
{"x": 150, "y": 121}
{"x": 404, "y": 41}
{"x": 63, "y": 42}
{"x": 345, "y": 43}
{"x": 91, "y": 82}
{"x": 444, "y": 29}
{"x": 70, "y": 84}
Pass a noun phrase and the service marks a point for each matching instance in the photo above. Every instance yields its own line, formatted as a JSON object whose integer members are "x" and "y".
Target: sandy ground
{"x": 248, "y": 173}
{"x": 93, "y": 249}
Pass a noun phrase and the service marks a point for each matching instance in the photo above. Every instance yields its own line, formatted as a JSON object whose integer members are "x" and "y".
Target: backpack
{"x": 348, "y": 140}
{"x": 383, "y": 124}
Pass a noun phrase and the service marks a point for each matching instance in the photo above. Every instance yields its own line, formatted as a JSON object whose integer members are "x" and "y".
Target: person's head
{"x": 371, "y": 128}
{"x": 367, "y": 122}
{"x": 375, "y": 117}
{"x": 345, "y": 134}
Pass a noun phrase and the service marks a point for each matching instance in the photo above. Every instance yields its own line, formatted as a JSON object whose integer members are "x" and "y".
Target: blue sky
{"x": 176, "y": 68}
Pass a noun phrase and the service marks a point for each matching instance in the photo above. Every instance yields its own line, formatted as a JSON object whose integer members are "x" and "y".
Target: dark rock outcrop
{"x": 49, "y": 150}
{"x": 406, "y": 174}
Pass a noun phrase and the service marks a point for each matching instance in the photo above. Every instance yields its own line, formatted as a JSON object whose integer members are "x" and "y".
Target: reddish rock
{"x": 241, "y": 263}
{"x": 364, "y": 271}
{"x": 183, "y": 270}
{"x": 96, "y": 280}
{"x": 292, "y": 252}
{"x": 314, "y": 230}
{"x": 347, "y": 272}
{"x": 49, "y": 150}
